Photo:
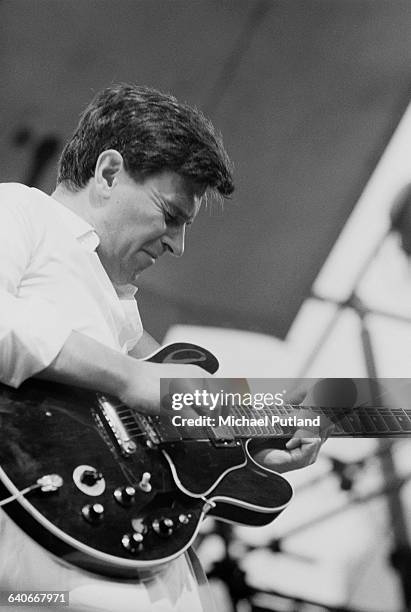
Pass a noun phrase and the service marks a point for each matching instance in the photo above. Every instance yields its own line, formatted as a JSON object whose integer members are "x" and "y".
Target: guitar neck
{"x": 362, "y": 421}
{"x": 243, "y": 422}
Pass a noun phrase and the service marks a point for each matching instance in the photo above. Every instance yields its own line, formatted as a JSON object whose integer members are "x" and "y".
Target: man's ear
{"x": 109, "y": 165}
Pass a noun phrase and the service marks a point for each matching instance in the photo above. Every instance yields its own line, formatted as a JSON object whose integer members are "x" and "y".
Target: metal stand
{"x": 228, "y": 570}
{"x": 401, "y": 552}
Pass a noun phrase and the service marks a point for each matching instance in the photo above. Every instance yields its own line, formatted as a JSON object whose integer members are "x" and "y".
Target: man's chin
{"x": 137, "y": 275}
{"x": 124, "y": 281}
{"x": 134, "y": 280}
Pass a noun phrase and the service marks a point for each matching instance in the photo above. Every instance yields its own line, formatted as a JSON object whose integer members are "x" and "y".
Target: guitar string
{"x": 19, "y": 494}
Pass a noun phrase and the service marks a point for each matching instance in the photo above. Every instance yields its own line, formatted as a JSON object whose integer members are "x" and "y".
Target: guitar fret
{"x": 366, "y": 421}
{"x": 392, "y": 423}
{"x": 255, "y": 431}
{"x": 404, "y": 420}
{"x": 354, "y": 422}
{"x": 379, "y": 423}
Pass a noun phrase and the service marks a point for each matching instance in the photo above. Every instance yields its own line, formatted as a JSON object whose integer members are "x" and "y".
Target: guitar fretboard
{"x": 362, "y": 421}
{"x": 245, "y": 422}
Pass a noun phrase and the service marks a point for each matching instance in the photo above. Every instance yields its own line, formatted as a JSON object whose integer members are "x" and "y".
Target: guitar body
{"x": 109, "y": 493}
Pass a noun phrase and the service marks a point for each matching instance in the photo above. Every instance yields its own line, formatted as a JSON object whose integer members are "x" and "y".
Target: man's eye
{"x": 170, "y": 219}
{"x": 174, "y": 220}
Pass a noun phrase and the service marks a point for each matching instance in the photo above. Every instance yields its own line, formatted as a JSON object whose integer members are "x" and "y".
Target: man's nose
{"x": 174, "y": 240}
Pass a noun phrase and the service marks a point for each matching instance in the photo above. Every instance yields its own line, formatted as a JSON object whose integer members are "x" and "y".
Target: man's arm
{"x": 87, "y": 363}
{"x": 145, "y": 346}
{"x": 31, "y": 330}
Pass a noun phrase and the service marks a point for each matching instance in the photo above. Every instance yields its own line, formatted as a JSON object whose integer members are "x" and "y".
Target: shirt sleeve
{"x": 31, "y": 331}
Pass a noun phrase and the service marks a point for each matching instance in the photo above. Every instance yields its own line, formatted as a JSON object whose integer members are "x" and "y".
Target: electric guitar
{"x": 108, "y": 489}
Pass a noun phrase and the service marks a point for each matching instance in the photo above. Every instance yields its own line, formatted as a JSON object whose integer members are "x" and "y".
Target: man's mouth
{"x": 143, "y": 263}
{"x": 152, "y": 256}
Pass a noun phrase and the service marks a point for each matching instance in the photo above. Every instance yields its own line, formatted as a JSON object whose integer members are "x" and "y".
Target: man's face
{"x": 143, "y": 220}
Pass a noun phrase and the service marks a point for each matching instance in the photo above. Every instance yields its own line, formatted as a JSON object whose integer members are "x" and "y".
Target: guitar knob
{"x": 133, "y": 542}
{"x": 125, "y": 495}
{"x": 184, "y": 519}
{"x": 144, "y": 484}
{"x": 90, "y": 477}
{"x": 93, "y": 513}
{"x": 139, "y": 526}
{"x": 163, "y": 526}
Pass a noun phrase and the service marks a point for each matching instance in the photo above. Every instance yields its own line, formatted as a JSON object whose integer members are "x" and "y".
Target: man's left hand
{"x": 298, "y": 452}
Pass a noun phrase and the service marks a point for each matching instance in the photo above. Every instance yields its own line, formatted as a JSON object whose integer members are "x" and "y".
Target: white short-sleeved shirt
{"x": 52, "y": 282}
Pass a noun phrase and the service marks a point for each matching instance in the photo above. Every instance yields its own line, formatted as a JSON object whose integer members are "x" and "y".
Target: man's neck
{"x": 77, "y": 201}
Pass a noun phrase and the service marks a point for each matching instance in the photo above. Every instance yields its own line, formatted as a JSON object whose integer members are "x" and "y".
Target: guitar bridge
{"x": 108, "y": 411}
{"x": 159, "y": 430}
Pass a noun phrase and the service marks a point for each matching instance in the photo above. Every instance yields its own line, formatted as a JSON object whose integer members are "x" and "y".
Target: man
{"x": 130, "y": 181}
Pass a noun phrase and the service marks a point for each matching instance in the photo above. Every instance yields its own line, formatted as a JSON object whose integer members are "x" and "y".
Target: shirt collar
{"x": 126, "y": 292}
{"x": 87, "y": 237}
{"x": 84, "y": 233}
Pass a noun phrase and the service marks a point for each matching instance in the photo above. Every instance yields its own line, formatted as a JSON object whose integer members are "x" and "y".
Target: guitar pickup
{"x": 159, "y": 429}
{"x": 221, "y": 436}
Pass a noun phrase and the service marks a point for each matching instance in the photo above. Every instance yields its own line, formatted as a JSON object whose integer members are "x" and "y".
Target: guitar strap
{"x": 204, "y": 591}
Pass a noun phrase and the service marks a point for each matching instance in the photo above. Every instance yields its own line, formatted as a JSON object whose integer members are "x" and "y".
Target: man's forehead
{"x": 184, "y": 187}
{"x": 184, "y": 194}
{"x": 185, "y": 208}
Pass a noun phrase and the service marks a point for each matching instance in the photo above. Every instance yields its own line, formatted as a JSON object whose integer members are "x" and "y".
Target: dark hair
{"x": 153, "y": 132}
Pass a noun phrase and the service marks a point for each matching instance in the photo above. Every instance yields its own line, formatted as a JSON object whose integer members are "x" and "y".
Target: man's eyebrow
{"x": 179, "y": 213}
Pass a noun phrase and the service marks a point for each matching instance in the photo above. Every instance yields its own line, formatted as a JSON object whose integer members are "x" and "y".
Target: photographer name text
{"x": 245, "y": 421}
